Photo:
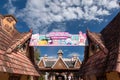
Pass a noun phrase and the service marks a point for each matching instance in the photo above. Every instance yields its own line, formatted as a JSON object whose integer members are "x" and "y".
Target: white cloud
{"x": 87, "y": 2}
{"x": 112, "y": 4}
{"x": 74, "y": 54}
{"x": 108, "y": 4}
{"x": 53, "y": 56}
{"x": 37, "y": 14}
{"x": 11, "y": 9}
{"x": 102, "y": 12}
{"x": 59, "y": 29}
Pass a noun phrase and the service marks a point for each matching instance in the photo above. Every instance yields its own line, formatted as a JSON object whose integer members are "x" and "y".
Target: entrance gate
{"x": 59, "y": 77}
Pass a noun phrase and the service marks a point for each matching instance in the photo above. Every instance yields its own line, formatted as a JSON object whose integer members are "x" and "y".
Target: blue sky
{"x": 44, "y": 16}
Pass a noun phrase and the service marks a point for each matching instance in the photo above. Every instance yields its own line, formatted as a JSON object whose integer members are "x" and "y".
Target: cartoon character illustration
{"x": 34, "y": 40}
{"x": 43, "y": 42}
{"x": 50, "y": 41}
{"x": 68, "y": 41}
{"x": 75, "y": 39}
{"x": 82, "y": 38}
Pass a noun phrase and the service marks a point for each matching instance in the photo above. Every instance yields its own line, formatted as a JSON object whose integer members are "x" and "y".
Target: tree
{"x": 37, "y": 54}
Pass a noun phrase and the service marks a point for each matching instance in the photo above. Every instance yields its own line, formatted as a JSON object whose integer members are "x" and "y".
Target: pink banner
{"x": 58, "y": 39}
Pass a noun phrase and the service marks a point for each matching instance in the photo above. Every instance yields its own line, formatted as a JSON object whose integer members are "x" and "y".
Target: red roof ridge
{"x": 93, "y": 38}
{"x": 62, "y": 61}
{"x": 21, "y": 41}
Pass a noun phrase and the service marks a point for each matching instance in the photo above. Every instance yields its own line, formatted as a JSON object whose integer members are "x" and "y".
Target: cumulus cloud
{"x": 74, "y": 54}
{"x": 38, "y": 14}
{"x": 11, "y": 9}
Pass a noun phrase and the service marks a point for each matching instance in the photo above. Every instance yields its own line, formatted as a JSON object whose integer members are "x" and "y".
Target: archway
{"x": 59, "y": 77}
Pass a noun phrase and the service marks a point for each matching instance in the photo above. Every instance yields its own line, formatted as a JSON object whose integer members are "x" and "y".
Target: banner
{"x": 58, "y": 39}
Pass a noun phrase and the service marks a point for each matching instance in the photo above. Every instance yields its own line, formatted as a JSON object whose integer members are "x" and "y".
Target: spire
{"x": 74, "y": 57}
{"x": 45, "y": 57}
{"x": 60, "y": 53}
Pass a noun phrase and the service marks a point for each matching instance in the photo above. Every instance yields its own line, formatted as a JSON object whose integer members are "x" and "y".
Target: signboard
{"x": 58, "y": 39}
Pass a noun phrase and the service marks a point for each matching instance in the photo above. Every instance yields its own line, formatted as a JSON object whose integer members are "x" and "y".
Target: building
{"x": 102, "y": 55}
{"x": 60, "y": 68}
{"x": 16, "y": 56}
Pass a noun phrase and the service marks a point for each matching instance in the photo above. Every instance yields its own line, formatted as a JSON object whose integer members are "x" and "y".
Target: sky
{"x": 73, "y": 16}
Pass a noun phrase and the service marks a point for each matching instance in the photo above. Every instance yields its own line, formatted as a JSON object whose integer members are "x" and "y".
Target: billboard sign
{"x": 58, "y": 39}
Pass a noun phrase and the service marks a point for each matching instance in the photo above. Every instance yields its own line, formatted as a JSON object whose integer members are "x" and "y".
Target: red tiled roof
{"x": 97, "y": 38}
{"x": 96, "y": 64}
{"x": 11, "y": 61}
{"x": 100, "y": 63}
{"x": 50, "y": 63}
{"x": 111, "y": 35}
{"x": 17, "y": 40}
{"x": 16, "y": 63}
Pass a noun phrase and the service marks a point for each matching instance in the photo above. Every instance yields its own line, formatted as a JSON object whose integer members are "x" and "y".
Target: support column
{"x": 53, "y": 76}
{"x": 50, "y": 75}
{"x": 31, "y": 77}
{"x": 67, "y": 75}
{"x": 46, "y": 75}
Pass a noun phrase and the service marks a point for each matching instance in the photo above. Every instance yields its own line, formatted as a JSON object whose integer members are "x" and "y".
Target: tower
{"x": 60, "y": 53}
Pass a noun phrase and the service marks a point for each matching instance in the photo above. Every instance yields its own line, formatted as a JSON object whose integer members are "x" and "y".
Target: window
{"x": 93, "y": 48}
{"x": 9, "y": 19}
{"x": 22, "y": 48}
{"x": 7, "y": 28}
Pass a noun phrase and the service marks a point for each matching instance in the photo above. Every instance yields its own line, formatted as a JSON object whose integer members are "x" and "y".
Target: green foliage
{"x": 37, "y": 54}
{"x": 41, "y": 77}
